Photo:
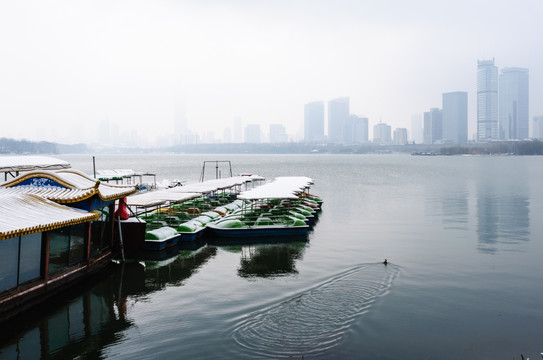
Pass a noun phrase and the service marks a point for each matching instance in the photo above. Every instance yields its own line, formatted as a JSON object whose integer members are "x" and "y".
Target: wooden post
{"x": 45, "y": 255}
{"x": 88, "y": 240}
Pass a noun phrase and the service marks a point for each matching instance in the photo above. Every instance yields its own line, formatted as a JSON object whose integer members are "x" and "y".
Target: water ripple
{"x": 314, "y": 320}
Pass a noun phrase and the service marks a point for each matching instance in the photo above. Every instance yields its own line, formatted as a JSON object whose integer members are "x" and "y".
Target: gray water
{"x": 462, "y": 236}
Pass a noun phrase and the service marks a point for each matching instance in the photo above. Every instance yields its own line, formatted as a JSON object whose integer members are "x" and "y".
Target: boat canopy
{"x": 180, "y": 194}
{"x": 114, "y": 174}
{"x": 210, "y": 186}
{"x": 159, "y": 197}
{"x": 285, "y": 187}
{"x": 29, "y": 163}
{"x": 64, "y": 186}
{"x": 23, "y": 214}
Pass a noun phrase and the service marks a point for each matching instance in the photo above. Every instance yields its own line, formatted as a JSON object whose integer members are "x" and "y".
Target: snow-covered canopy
{"x": 114, "y": 174}
{"x": 22, "y": 214}
{"x": 29, "y": 163}
{"x": 64, "y": 186}
{"x": 180, "y": 194}
{"x": 159, "y": 197}
{"x": 285, "y": 187}
{"x": 210, "y": 186}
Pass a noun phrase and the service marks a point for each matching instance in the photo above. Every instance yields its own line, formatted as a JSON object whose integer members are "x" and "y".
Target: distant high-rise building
{"x": 252, "y": 133}
{"x": 433, "y": 126}
{"x": 105, "y": 132}
{"x": 537, "y": 129}
{"x": 487, "y": 100}
{"x": 238, "y": 130}
{"x": 455, "y": 117}
{"x": 208, "y": 138}
{"x": 514, "y": 104}
{"x": 278, "y": 134}
{"x": 381, "y": 134}
{"x": 180, "y": 125}
{"x": 416, "y": 129}
{"x": 227, "y": 136}
{"x": 400, "y": 136}
{"x": 427, "y": 128}
{"x": 314, "y": 122}
{"x": 338, "y": 112}
{"x": 355, "y": 130}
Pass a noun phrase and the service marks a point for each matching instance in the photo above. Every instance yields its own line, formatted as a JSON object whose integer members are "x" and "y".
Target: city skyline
{"x": 514, "y": 103}
{"x": 131, "y": 63}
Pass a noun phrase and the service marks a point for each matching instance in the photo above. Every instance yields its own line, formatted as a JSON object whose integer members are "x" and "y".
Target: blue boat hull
{"x": 161, "y": 245}
{"x": 191, "y": 236}
{"x": 271, "y": 231}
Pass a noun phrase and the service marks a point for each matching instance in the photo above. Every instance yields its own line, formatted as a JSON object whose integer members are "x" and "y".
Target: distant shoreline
{"x": 526, "y": 147}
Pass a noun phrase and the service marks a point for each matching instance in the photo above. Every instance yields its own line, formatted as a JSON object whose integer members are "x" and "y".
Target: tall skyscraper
{"x": 252, "y": 133}
{"x": 358, "y": 128}
{"x": 433, "y": 126}
{"x": 227, "y": 136}
{"x": 338, "y": 112}
{"x": 537, "y": 129}
{"x": 416, "y": 129}
{"x": 180, "y": 126}
{"x": 400, "y": 136}
{"x": 278, "y": 133}
{"x": 487, "y": 100}
{"x": 238, "y": 130}
{"x": 455, "y": 117}
{"x": 513, "y": 104}
{"x": 381, "y": 134}
{"x": 314, "y": 122}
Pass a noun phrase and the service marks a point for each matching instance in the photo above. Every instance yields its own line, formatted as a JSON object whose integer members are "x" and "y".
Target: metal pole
{"x": 94, "y": 166}
{"x": 121, "y": 245}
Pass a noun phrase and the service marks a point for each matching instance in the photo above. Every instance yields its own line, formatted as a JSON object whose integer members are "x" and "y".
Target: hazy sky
{"x": 66, "y": 66}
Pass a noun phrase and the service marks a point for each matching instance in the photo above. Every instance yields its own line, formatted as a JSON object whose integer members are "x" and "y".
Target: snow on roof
{"x": 159, "y": 197}
{"x": 210, "y": 186}
{"x": 22, "y": 214}
{"x": 74, "y": 186}
{"x": 114, "y": 174}
{"x": 280, "y": 188}
{"x": 29, "y": 163}
{"x": 187, "y": 192}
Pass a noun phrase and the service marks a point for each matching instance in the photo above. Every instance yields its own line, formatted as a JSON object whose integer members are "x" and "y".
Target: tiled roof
{"x": 22, "y": 214}
{"x": 69, "y": 186}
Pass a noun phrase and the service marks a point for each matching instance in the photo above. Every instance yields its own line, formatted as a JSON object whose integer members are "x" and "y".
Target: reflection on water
{"x": 439, "y": 217}
{"x": 80, "y": 327}
{"x": 503, "y": 212}
{"x": 157, "y": 274}
{"x": 501, "y": 220}
{"x": 313, "y": 321}
{"x": 498, "y": 204}
{"x": 455, "y": 207}
{"x": 85, "y": 325}
{"x": 270, "y": 260}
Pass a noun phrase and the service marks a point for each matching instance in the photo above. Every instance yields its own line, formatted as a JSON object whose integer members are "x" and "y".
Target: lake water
{"x": 463, "y": 237}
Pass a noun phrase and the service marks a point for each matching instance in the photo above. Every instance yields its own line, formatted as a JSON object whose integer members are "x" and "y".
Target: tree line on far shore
{"x": 23, "y": 147}
{"x": 527, "y": 147}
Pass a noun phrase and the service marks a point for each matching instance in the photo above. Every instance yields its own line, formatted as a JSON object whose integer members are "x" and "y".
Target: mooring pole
{"x": 121, "y": 245}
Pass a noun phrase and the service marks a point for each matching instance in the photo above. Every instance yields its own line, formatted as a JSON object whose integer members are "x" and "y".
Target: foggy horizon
{"x": 69, "y": 67}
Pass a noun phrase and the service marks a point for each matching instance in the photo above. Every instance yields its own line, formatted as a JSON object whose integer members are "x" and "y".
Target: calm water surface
{"x": 463, "y": 236}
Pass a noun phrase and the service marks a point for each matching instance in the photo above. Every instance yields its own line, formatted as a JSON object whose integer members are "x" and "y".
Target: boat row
{"x": 220, "y": 209}
{"x": 59, "y": 226}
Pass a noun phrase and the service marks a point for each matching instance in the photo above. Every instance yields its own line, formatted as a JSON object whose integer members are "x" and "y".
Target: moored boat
{"x": 273, "y": 209}
{"x": 188, "y": 209}
{"x": 56, "y": 228}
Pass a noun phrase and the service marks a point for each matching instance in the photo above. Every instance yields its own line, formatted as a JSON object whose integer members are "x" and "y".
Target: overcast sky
{"x": 66, "y": 66}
